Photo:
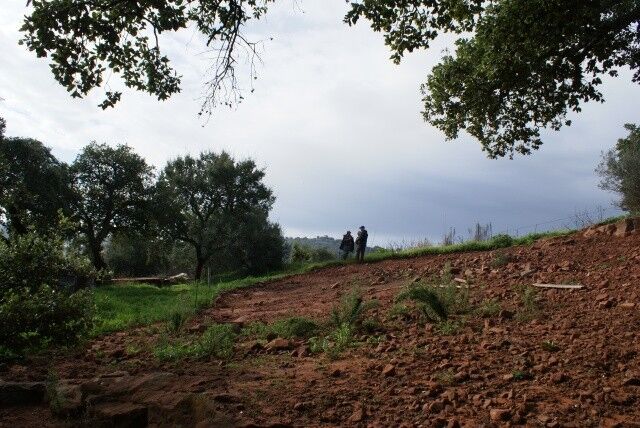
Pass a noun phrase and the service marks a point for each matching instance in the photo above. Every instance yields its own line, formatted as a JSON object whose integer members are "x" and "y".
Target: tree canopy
{"x": 32, "y": 185}
{"x": 519, "y": 65}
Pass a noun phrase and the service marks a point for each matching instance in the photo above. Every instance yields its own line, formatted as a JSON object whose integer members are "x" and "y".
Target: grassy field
{"x": 123, "y": 306}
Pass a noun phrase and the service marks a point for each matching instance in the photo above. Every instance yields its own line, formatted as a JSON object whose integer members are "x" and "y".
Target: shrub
{"x": 38, "y": 305}
{"x": 501, "y": 241}
{"x": 32, "y": 259}
{"x": 32, "y": 320}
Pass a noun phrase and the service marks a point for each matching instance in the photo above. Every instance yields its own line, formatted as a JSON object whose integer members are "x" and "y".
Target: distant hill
{"x": 331, "y": 244}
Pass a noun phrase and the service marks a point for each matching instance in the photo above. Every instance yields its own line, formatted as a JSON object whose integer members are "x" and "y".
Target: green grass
{"x": 288, "y": 328}
{"x": 217, "y": 341}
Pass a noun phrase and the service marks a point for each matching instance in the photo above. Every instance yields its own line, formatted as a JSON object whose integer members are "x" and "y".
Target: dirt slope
{"x": 494, "y": 371}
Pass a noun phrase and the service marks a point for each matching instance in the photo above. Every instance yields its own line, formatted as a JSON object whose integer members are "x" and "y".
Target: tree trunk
{"x": 96, "y": 255}
{"x": 199, "y": 267}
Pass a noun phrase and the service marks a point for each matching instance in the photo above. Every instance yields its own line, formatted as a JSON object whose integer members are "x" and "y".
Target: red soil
{"x": 493, "y": 372}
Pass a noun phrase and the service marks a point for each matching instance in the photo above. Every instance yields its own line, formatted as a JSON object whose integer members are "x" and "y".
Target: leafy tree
{"x": 620, "y": 170}
{"x": 261, "y": 246}
{"x": 110, "y": 192}
{"x": 3, "y": 127}
{"x": 33, "y": 185}
{"x": 519, "y": 65}
{"x": 206, "y": 202}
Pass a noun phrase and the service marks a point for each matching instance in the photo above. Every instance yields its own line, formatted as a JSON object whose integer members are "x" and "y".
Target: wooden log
{"x": 560, "y": 286}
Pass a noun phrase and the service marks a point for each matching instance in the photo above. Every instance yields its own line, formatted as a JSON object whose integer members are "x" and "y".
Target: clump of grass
{"x": 288, "y": 328}
{"x": 177, "y": 321}
{"x": 428, "y": 301}
{"x": 501, "y": 258}
{"x": 489, "y": 308}
{"x": 217, "y": 341}
{"x": 449, "y": 327}
{"x": 399, "y": 310}
{"x": 347, "y": 318}
{"x": 550, "y": 346}
{"x": 529, "y": 308}
{"x": 520, "y": 375}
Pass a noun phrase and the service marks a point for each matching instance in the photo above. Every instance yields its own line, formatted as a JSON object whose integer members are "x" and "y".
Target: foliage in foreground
{"x": 39, "y": 304}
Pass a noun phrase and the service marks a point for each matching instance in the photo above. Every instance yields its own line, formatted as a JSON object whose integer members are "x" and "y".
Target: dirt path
{"x": 576, "y": 363}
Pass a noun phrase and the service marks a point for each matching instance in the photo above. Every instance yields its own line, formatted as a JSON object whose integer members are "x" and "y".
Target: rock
{"x": 67, "y": 400}
{"x": 121, "y": 414}
{"x": 499, "y": 415}
{"x": 226, "y": 398}
{"x": 558, "y": 377}
{"x": 278, "y": 344}
{"x": 358, "y": 413}
{"x": 627, "y": 305}
{"x": 632, "y": 380}
{"x": 117, "y": 373}
{"x": 335, "y": 285}
{"x": 21, "y": 393}
{"x": 336, "y": 373}
{"x": 435, "y": 407}
{"x": 389, "y": 370}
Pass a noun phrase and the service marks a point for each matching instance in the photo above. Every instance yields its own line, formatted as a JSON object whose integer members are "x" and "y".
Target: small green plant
{"x": 489, "y": 308}
{"x": 341, "y": 338}
{"x": 550, "y": 346}
{"x": 371, "y": 325}
{"x": 521, "y": 375}
{"x": 318, "y": 345}
{"x": 399, "y": 310}
{"x": 449, "y": 327}
{"x": 176, "y": 322}
{"x": 529, "y": 307}
{"x": 51, "y": 388}
{"x": 428, "y": 301}
{"x": 349, "y": 311}
{"x": 294, "y": 327}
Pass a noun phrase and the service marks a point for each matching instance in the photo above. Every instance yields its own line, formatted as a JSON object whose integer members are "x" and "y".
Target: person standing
{"x": 346, "y": 246}
{"x": 361, "y": 243}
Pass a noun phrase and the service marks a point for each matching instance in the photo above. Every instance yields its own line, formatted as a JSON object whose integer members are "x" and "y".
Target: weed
{"x": 528, "y": 302}
{"x": 371, "y": 325}
{"x": 428, "y": 301}
{"x": 53, "y": 397}
{"x": 449, "y": 327}
{"x": 550, "y": 346}
{"x": 176, "y": 322}
{"x": 399, "y": 310}
{"x": 447, "y": 377}
{"x": 132, "y": 349}
{"x": 318, "y": 344}
{"x": 520, "y": 375}
{"x": 349, "y": 311}
{"x": 489, "y": 308}
{"x": 294, "y": 327}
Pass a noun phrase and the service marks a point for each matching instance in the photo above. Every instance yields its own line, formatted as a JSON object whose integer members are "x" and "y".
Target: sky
{"x": 337, "y": 127}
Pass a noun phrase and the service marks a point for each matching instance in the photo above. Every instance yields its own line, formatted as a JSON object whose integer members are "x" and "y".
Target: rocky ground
{"x": 572, "y": 361}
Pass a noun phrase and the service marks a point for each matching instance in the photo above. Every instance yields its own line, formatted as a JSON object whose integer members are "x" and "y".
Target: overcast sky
{"x": 337, "y": 127}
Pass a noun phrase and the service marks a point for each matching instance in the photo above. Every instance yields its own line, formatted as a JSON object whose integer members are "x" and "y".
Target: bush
{"x": 32, "y": 259}
{"x": 39, "y": 304}
{"x": 33, "y": 320}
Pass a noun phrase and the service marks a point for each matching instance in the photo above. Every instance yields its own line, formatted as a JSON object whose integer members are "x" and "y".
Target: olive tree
{"x": 207, "y": 201}
{"x": 110, "y": 192}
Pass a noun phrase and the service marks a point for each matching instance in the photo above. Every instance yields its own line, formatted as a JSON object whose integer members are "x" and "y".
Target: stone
{"x": 21, "y": 393}
{"x": 67, "y": 400}
{"x": 499, "y": 415}
{"x": 121, "y": 414}
{"x": 389, "y": 370}
{"x": 627, "y": 305}
{"x": 358, "y": 413}
{"x": 436, "y": 406}
{"x": 278, "y": 344}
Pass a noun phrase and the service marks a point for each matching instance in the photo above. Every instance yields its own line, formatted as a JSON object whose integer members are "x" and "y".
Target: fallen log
{"x": 560, "y": 286}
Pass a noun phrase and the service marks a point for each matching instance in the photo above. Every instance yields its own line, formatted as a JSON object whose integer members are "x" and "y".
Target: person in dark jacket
{"x": 361, "y": 243}
{"x": 346, "y": 246}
